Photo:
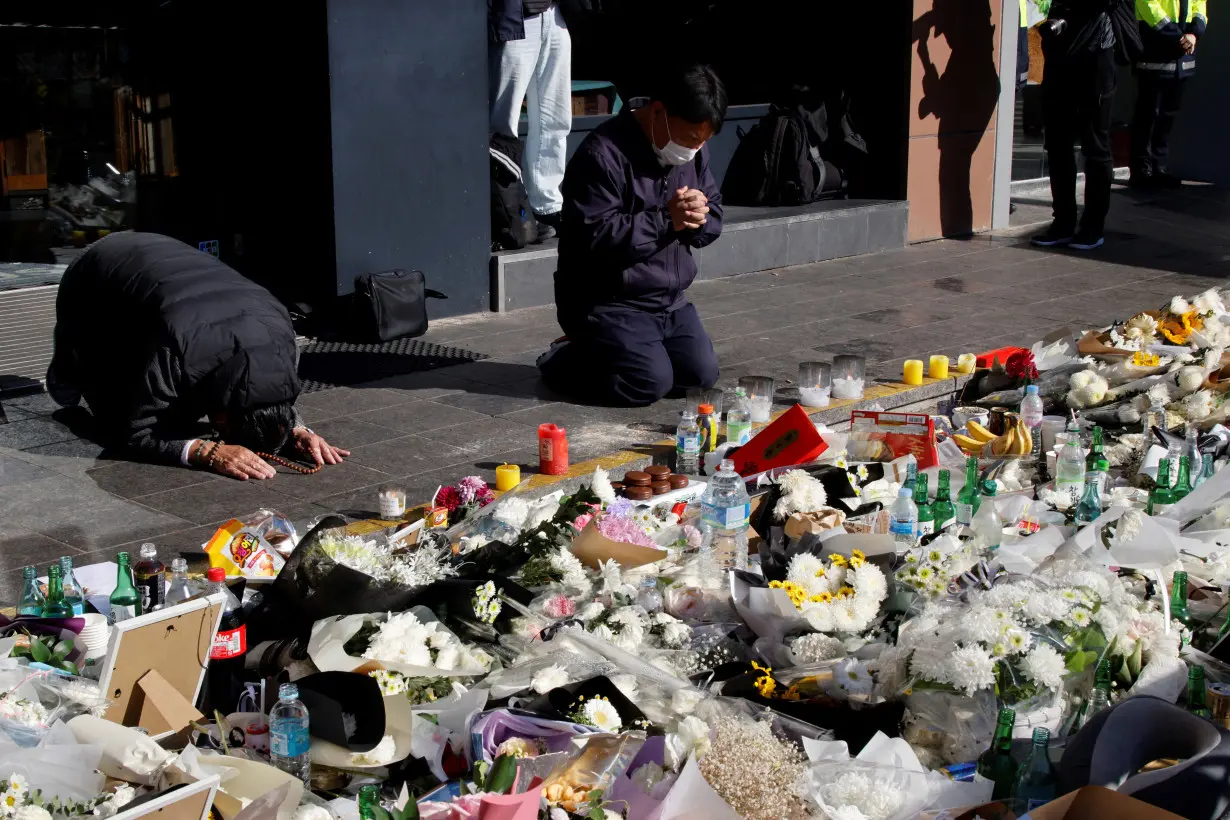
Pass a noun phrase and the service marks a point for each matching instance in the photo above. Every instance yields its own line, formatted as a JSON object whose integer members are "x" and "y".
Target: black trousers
{"x": 1158, "y": 97}
{"x": 1077, "y": 95}
{"x": 631, "y": 358}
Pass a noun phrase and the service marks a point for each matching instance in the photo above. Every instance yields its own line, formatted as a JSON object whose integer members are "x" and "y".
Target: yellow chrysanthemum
{"x": 858, "y": 554}
{"x": 822, "y": 598}
{"x": 820, "y": 572}
{"x": 845, "y": 592}
{"x": 759, "y": 668}
{"x": 776, "y": 585}
{"x": 766, "y": 686}
{"x": 857, "y": 561}
{"x": 837, "y": 560}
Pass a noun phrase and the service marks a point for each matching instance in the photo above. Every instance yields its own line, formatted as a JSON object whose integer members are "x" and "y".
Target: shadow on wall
{"x": 963, "y": 99}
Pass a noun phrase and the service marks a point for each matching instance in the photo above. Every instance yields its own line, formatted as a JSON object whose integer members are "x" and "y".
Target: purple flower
{"x": 471, "y": 488}
{"x": 620, "y": 508}
{"x": 624, "y": 530}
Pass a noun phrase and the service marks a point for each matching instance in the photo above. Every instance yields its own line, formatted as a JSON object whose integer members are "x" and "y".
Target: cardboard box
{"x": 1087, "y": 803}
{"x": 791, "y": 439}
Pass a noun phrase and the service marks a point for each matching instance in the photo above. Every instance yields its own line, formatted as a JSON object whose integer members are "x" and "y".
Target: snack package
{"x": 252, "y": 547}
{"x": 876, "y": 436}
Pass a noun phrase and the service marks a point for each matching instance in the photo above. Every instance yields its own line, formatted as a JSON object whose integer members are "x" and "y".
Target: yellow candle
{"x": 966, "y": 363}
{"x": 507, "y": 476}
{"x": 913, "y": 371}
{"x": 938, "y": 367}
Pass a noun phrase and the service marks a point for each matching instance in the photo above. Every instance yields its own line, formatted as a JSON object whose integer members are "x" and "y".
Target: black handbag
{"x": 391, "y": 305}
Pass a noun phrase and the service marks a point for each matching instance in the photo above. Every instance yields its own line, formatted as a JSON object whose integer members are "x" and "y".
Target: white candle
{"x": 847, "y": 388}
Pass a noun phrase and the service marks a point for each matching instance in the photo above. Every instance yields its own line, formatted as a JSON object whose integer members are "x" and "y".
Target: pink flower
{"x": 486, "y": 499}
{"x": 581, "y": 521}
{"x": 471, "y": 488}
{"x": 624, "y": 530}
{"x": 559, "y": 606}
{"x": 693, "y": 536}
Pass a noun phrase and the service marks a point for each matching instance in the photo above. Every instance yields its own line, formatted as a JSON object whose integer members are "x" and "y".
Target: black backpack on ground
{"x": 793, "y": 157}
{"x": 513, "y": 225}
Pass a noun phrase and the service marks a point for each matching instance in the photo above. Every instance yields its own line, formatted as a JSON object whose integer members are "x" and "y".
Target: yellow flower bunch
{"x": 822, "y": 598}
{"x": 764, "y": 684}
{"x": 844, "y": 593}
{"x": 1143, "y": 359}
{"x": 1179, "y": 328}
{"x": 838, "y": 560}
{"x": 857, "y": 559}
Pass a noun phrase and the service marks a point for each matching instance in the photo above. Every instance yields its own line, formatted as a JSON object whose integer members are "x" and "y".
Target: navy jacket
{"x": 505, "y": 20}
{"x": 617, "y": 245}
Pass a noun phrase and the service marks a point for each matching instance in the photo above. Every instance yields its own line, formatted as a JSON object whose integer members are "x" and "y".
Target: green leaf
{"x": 1079, "y": 660}
{"x": 380, "y": 813}
{"x": 71, "y": 668}
{"x": 595, "y": 805}
{"x": 503, "y": 774}
{"x": 39, "y": 651}
{"x": 63, "y": 649}
{"x": 409, "y": 812}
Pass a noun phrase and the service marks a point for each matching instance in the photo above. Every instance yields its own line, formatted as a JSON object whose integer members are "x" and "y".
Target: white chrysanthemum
{"x": 853, "y": 677}
{"x": 552, "y": 677}
{"x": 1179, "y": 305}
{"x": 448, "y": 658}
{"x": 628, "y": 616}
{"x": 571, "y": 570}
{"x": 971, "y": 669}
{"x": 676, "y": 635}
{"x": 820, "y": 617}
{"x": 1142, "y": 325}
{"x": 512, "y": 512}
{"x": 805, "y": 569}
{"x": 647, "y": 776}
{"x": 1042, "y": 608}
{"x": 32, "y": 812}
{"x": 602, "y": 715}
{"x": 1080, "y": 616}
{"x": 1198, "y": 406}
{"x": 629, "y": 639}
{"x": 1044, "y": 666}
{"x": 870, "y": 582}
{"x": 684, "y": 700}
{"x": 846, "y": 617}
{"x": 854, "y": 791}
{"x": 1082, "y": 379}
{"x": 981, "y": 624}
{"x": 603, "y": 632}
{"x": 1018, "y": 640}
{"x": 590, "y": 611}
{"x": 1209, "y": 302}
{"x": 601, "y": 485}
{"x": 690, "y": 737}
{"x": 1190, "y": 378}
{"x": 1090, "y": 392}
{"x": 627, "y": 685}
{"x": 801, "y": 492}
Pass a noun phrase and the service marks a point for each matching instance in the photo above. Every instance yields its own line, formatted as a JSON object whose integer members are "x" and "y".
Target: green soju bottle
{"x": 926, "y": 512}
{"x": 1197, "y": 700}
{"x": 1206, "y": 469}
{"x": 1091, "y": 502}
{"x": 996, "y": 763}
{"x": 1183, "y": 485}
{"x": 1036, "y": 780}
{"x": 125, "y": 600}
{"x": 1178, "y": 599}
{"x": 1096, "y": 459}
{"x": 1161, "y": 497}
{"x": 945, "y": 513}
{"x": 32, "y": 599}
{"x": 369, "y": 801}
{"x": 55, "y": 606}
{"x": 968, "y": 500}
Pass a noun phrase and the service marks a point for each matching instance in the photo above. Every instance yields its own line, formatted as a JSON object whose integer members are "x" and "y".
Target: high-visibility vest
{"x": 1162, "y": 24}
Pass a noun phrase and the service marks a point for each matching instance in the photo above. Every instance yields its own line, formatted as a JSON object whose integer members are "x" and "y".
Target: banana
{"x": 969, "y": 445}
{"x": 1003, "y": 445}
{"x": 978, "y": 432}
{"x": 1027, "y": 439}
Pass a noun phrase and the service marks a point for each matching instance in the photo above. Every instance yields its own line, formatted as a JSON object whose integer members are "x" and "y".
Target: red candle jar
{"x": 552, "y": 450}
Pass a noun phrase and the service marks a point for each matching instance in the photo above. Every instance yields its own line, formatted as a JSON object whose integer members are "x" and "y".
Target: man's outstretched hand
{"x": 688, "y": 208}
{"x": 241, "y": 463}
{"x": 316, "y": 448}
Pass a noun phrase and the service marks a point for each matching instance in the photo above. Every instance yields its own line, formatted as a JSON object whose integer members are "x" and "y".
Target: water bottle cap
{"x": 905, "y": 492}
{"x": 1031, "y": 389}
{"x": 216, "y": 575}
{"x": 288, "y": 691}
{"x": 181, "y": 565}
{"x": 727, "y": 465}
{"x": 705, "y": 408}
{"x": 148, "y": 550}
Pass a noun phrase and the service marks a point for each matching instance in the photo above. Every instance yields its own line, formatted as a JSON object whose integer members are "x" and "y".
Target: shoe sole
{"x": 1087, "y": 246}
{"x": 1049, "y": 243}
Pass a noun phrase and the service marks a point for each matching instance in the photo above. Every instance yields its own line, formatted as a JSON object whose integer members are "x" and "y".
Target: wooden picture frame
{"x": 191, "y": 801}
{"x": 156, "y": 665}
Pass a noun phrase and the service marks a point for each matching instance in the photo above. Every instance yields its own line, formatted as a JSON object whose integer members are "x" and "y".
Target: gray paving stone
{"x": 15, "y": 471}
{"x": 348, "y": 432}
{"x": 419, "y": 417}
{"x": 488, "y": 436}
{"x": 408, "y": 455}
{"x": 33, "y": 431}
{"x": 347, "y": 401}
{"x": 218, "y": 501}
{"x": 131, "y": 479}
{"x": 330, "y": 480}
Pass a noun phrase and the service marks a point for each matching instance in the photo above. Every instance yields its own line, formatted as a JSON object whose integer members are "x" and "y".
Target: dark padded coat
{"x": 157, "y": 335}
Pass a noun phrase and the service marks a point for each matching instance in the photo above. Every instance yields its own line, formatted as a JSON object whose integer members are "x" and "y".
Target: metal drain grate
{"x": 323, "y": 365}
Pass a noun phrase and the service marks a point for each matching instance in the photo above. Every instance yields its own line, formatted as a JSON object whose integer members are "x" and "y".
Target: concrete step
{"x": 753, "y": 239}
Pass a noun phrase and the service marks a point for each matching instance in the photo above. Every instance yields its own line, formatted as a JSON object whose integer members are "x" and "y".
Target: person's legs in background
{"x": 512, "y": 65}
{"x": 1059, "y": 113}
{"x": 1097, "y": 90}
{"x": 1169, "y": 99}
{"x": 693, "y": 360}
{"x": 550, "y": 116}
{"x": 1144, "y": 119}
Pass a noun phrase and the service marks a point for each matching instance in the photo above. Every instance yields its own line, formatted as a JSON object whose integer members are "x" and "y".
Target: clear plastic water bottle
{"x": 1191, "y": 449}
{"x": 687, "y": 444}
{"x": 289, "y": 742}
{"x": 903, "y": 520}
{"x": 739, "y": 420}
{"x": 725, "y": 511}
{"x": 987, "y": 524}
{"x": 1032, "y": 411}
{"x": 180, "y": 588}
{"x": 1070, "y": 468}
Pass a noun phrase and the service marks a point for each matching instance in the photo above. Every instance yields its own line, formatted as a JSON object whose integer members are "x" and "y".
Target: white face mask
{"x": 673, "y": 153}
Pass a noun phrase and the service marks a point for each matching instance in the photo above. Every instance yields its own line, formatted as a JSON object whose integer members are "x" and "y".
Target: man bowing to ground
{"x": 638, "y": 198}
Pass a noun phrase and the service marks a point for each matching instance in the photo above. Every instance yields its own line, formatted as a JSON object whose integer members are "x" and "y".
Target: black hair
{"x": 263, "y": 429}
{"x": 695, "y": 94}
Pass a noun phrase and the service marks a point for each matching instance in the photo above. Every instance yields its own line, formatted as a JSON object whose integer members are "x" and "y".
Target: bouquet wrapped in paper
{"x": 412, "y": 644}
